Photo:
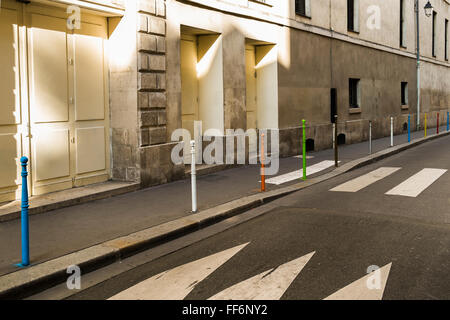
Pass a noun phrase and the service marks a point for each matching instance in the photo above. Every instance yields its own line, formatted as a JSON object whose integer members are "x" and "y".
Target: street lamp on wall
{"x": 428, "y": 9}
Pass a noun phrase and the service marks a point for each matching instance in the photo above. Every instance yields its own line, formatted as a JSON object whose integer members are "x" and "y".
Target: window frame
{"x": 446, "y": 40}
{"x": 434, "y": 34}
{"x": 402, "y": 24}
{"x": 354, "y": 93}
{"x": 404, "y": 94}
{"x": 307, "y": 8}
{"x": 353, "y": 16}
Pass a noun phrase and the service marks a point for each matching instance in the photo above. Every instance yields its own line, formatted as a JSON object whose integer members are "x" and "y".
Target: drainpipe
{"x": 416, "y": 5}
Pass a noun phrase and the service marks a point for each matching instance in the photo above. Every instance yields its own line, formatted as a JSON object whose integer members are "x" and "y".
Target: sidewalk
{"x": 62, "y": 231}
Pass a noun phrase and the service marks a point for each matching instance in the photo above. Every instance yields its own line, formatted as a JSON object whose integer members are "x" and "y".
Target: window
{"x": 446, "y": 39}
{"x": 303, "y": 7}
{"x": 404, "y": 93}
{"x": 353, "y": 15}
{"x": 433, "y": 49}
{"x": 402, "y": 24}
{"x": 354, "y": 93}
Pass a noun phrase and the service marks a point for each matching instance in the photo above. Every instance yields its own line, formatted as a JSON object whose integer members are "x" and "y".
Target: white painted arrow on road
{"x": 269, "y": 285}
{"x": 177, "y": 283}
{"x": 365, "y": 288}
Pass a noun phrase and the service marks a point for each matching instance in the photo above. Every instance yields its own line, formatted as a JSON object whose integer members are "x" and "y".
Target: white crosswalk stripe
{"x": 365, "y": 180}
{"x": 298, "y": 174}
{"x": 177, "y": 283}
{"x": 416, "y": 184}
{"x": 268, "y": 285}
{"x": 369, "y": 287}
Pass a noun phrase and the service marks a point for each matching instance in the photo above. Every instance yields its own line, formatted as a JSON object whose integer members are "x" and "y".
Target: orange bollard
{"x": 263, "y": 177}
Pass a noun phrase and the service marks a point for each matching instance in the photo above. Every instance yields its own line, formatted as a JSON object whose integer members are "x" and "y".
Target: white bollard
{"x": 334, "y": 135}
{"x": 392, "y": 131}
{"x": 370, "y": 137}
{"x": 193, "y": 178}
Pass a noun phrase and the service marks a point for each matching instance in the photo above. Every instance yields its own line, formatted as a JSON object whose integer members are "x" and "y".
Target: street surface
{"x": 323, "y": 242}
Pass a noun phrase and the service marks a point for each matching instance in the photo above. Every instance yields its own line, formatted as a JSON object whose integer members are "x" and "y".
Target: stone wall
{"x": 155, "y": 162}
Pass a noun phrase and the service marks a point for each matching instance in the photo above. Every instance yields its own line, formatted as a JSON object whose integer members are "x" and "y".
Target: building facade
{"x": 93, "y": 90}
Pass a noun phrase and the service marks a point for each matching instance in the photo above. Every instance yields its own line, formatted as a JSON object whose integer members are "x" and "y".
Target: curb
{"x": 26, "y": 282}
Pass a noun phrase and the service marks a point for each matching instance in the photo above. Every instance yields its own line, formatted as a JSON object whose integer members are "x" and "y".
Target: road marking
{"x": 269, "y": 285}
{"x": 301, "y": 157}
{"x": 294, "y": 175}
{"x": 365, "y": 180}
{"x": 362, "y": 289}
{"x": 416, "y": 184}
{"x": 177, "y": 283}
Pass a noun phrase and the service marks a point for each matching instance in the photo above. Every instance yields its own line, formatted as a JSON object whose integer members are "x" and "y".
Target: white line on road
{"x": 416, "y": 184}
{"x": 301, "y": 157}
{"x": 365, "y": 180}
{"x": 294, "y": 175}
{"x": 269, "y": 285}
{"x": 177, "y": 283}
{"x": 369, "y": 287}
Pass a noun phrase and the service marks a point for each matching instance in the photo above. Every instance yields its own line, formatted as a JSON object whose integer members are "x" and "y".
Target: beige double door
{"x": 60, "y": 108}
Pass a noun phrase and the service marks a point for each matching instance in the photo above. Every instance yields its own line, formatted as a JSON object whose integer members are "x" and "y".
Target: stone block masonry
{"x": 155, "y": 163}
{"x": 151, "y": 46}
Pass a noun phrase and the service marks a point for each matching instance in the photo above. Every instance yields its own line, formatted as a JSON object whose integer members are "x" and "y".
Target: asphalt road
{"x": 348, "y": 232}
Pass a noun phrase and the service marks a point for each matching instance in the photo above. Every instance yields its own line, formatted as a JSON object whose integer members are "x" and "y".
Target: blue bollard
{"x": 409, "y": 128}
{"x": 24, "y": 216}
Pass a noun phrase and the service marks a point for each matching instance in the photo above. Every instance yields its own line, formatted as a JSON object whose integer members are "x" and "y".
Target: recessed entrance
{"x": 341, "y": 139}
{"x": 261, "y": 85}
{"x": 309, "y": 145}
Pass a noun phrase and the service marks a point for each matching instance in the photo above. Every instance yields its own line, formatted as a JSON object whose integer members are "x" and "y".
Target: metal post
{"x": 334, "y": 138}
{"x": 304, "y": 149}
{"x": 437, "y": 123}
{"x": 370, "y": 137}
{"x": 425, "y": 125}
{"x": 262, "y": 157}
{"x": 448, "y": 121}
{"x": 193, "y": 178}
{"x": 24, "y": 215}
{"x": 416, "y": 5}
{"x": 336, "y": 162}
{"x": 409, "y": 128}
{"x": 392, "y": 131}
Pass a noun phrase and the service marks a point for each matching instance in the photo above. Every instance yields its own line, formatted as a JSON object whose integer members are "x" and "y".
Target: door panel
{"x": 89, "y": 81}
{"x": 51, "y": 154}
{"x": 90, "y": 149}
{"x": 51, "y": 129}
{"x": 9, "y": 67}
{"x": 48, "y": 66}
{"x": 9, "y": 144}
{"x": 10, "y": 103}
